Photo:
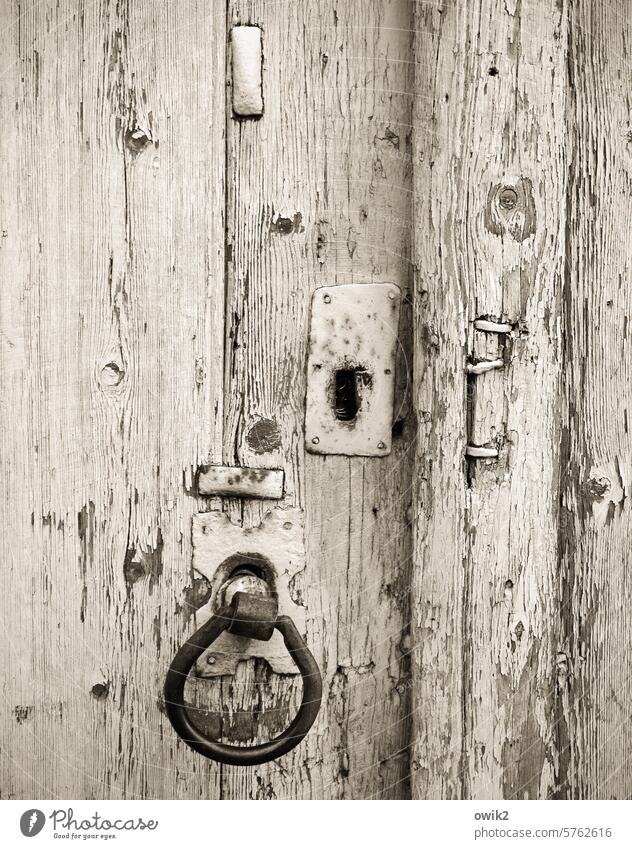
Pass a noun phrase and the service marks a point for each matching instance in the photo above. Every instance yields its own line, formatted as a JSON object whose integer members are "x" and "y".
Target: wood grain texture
{"x": 319, "y": 195}
{"x": 158, "y": 256}
{"x": 114, "y": 387}
{"x": 489, "y": 236}
{"x": 439, "y": 494}
{"x": 596, "y": 526}
{"x": 112, "y": 310}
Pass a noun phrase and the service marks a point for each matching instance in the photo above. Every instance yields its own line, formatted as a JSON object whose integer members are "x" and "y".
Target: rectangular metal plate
{"x": 240, "y": 482}
{"x": 351, "y": 369}
{"x": 247, "y": 95}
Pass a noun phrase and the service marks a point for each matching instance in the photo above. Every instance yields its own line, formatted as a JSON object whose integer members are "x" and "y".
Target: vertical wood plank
{"x": 439, "y": 493}
{"x": 112, "y": 268}
{"x": 595, "y": 663}
{"x": 318, "y": 195}
{"x": 489, "y": 237}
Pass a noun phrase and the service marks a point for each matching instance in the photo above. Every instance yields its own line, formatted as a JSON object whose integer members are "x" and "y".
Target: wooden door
{"x": 158, "y": 259}
{"x": 158, "y": 262}
{"x": 521, "y": 216}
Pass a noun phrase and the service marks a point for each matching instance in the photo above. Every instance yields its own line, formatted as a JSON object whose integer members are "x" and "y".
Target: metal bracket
{"x": 275, "y": 548}
{"x": 480, "y": 452}
{"x": 351, "y": 369}
{"x": 247, "y": 71}
{"x": 240, "y": 482}
{"x": 487, "y": 326}
{"x": 487, "y": 355}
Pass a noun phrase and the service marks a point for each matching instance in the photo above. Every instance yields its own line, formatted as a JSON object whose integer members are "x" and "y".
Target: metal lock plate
{"x": 276, "y": 547}
{"x": 351, "y": 369}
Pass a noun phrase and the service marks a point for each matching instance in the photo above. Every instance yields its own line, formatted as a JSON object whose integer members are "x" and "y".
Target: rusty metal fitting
{"x": 483, "y": 366}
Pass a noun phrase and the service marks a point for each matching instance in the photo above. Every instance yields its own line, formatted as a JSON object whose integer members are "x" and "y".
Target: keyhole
{"x": 347, "y": 402}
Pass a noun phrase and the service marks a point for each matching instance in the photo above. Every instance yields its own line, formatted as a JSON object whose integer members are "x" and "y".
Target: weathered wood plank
{"x": 112, "y": 264}
{"x": 516, "y": 260}
{"x": 439, "y": 502}
{"x": 489, "y": 237}
{"x": 318, "y": 195}
{"x": 596, "y": 529}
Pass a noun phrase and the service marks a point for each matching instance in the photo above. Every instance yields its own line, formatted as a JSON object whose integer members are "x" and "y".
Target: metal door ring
{"x": 254, "y": 617}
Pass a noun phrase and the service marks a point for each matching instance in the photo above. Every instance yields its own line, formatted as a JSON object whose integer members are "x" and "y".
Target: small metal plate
{"x": 351, "y": 369}
{"x": 240, "y": 482}
{"x": 246, "y": 67}
{"x": 277, "y": 545}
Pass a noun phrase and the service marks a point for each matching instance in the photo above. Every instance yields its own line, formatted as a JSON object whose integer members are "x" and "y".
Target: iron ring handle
{"x": 186, "y": 657}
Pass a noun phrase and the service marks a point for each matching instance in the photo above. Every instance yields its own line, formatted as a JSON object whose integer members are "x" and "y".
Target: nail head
{"x": 508, "y": 198}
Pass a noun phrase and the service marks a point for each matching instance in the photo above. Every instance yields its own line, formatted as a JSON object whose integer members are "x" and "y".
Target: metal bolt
{"x": 210, "y": 659}
{"x": 381, "y": 445}
{"x": 327, "y": 299}
{"x": 315, "y": 440}
{"x": 243, "y": 580}
{"x": 508, "y": 198}
{"x": 391, "y": 296}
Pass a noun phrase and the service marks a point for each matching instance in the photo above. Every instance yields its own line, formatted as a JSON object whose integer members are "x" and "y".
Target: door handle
{"x": 254, "y": 617}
